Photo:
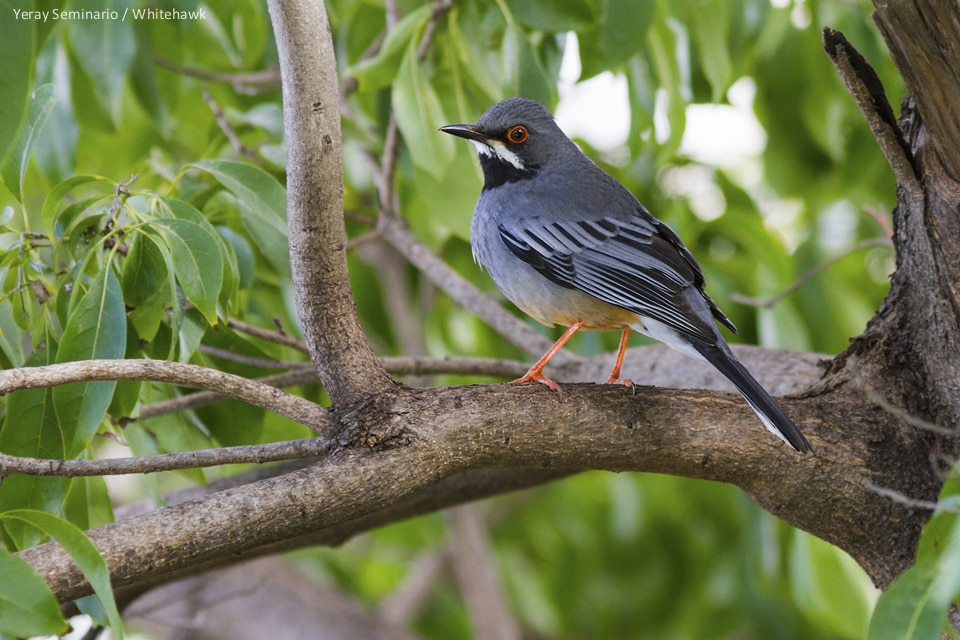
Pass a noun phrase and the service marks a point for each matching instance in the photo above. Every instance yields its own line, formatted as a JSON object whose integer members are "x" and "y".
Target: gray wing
{"x": 638, "y": 264}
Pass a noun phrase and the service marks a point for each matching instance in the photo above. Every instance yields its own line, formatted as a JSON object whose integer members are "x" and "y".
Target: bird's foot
{"x": 536, "y": 375}
{"x": 627, "y": 382}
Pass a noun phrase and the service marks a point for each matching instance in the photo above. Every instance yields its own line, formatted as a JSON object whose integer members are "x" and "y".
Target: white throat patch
{"x": 497, "y": 149}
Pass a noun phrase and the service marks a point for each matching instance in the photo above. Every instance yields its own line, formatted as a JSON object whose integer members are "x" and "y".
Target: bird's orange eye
{"x": 517, "y": 134}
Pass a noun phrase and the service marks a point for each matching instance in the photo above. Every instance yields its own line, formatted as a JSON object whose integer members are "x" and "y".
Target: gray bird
{"x": 569, "y": 245}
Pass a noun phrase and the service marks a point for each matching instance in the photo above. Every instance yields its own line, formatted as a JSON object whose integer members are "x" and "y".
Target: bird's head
{"x": 515, "y": 139}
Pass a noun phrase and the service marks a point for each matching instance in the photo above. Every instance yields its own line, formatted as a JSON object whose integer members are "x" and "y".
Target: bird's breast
{"x": 543, "y": 300}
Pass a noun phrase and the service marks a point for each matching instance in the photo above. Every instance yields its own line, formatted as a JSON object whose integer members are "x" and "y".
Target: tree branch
{"x": 311, "y": 118}
{"x": 398, "y": 445}
{"x": 923, "y": 37}
{"x": 257, "y": 454}
{"x": 867, "y": 92}
{"x": 225, "y": 384}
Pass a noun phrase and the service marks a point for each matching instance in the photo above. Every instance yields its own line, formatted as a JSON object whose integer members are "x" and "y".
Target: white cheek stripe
{"x": 495, "y": 148}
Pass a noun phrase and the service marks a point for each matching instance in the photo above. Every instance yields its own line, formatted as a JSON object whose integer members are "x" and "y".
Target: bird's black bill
{"x": 466, "y": 131}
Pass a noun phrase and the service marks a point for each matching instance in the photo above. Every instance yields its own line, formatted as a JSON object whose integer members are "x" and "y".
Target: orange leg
{"x": 614, "y": 377}
{"x": 535, "y": 373}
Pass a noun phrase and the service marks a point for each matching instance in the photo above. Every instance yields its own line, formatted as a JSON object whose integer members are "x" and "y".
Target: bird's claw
{"x": 537, "y": 376}
{"x": 627, "y": 382}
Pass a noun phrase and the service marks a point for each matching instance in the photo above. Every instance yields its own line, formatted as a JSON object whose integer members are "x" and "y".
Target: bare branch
{"x": 311, "y": 115}
{"x": 867, "y": 91}
{"x": 226, "y": 384}
{"x": 256, "y": 454}
{"x": 476, "y": 569}
{"x": 252, "y": 361}
{"x": 245, "y": 83}
{"x": 907, "y": 501}
{"x": 304, "y": 374}
{"x": 271, "y": 336}
{"x": 228, "y": 131}
{"x": 802, "y": 279}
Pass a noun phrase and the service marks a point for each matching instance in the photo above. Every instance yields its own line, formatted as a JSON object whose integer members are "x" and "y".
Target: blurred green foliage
{"x": 134, "y": 227}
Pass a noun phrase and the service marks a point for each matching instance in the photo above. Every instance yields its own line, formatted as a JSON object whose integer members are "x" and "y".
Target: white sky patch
{"x": 596, "y": 110}
{"x": 725, "y": 135}
{"x": 722, "y": 136}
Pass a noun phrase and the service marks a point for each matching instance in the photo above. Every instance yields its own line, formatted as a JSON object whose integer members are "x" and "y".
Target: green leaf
{"x": 711, "y": 28}
{"x": 473, "y": 55}
{"x": 669, "y": 49}
{"x": 14, "y": 167}
{"x": 18, "y": 46}
{"x": 96, "y": 328}
{"x": 145, "y": 285}
{"x": 830, "y": 587}
{"x": 51, "y": 211}
{"x": 550, "y": 15}
{"x": 30, "y": 429}
{"x": 911, "y": 608}
{"x": 524, "y": 74}
{"x": 243, "y": 254}
{"x": 197, "y": 262}
{"x": 915, "y": 605}
{"x": 621, "y": 33}
{"x": 105, "y": 49}
{"x": 27, "y": 606}
{"x": 419, "y": 115}
{"x": 264, "y": 217}
{"x": 82, "y": 552}
{"x": 382, "y": 69}
{"x": 228, "y": 286}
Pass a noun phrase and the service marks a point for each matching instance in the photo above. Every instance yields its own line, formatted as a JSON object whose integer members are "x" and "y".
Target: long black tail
{"x": 766, "y": 408}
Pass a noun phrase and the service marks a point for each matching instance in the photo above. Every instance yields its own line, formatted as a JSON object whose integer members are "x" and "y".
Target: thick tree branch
{"x": 400, "y": 444}
{"x": 924, "y": 40}
{"x": 311, "y": 118}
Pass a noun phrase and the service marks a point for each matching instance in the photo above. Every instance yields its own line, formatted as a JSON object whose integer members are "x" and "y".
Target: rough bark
{"x": 403, "y": 451}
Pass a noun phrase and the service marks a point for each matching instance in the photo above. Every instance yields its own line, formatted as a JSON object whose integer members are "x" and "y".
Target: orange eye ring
{"x": 518, "y": 134}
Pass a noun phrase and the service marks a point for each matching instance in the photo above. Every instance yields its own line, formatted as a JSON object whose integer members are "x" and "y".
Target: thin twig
{"x": 233, "y": 356}
{"x": 391, "y": 145}
{"x": 228, "y": 131}
{"x": 388, "y": 169}
{"x": 250, "y": 83}
{"x": 257, "y": 454}
{"x": 440, "y": 9}
{"x": 258, "y": 394}
{"x": 363, "y": 239}
{"x": 907, "y": 501}
{"x": 766, "y": 303}
{"x": 881, "y": 217}
{"x": 265, "y": 334}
